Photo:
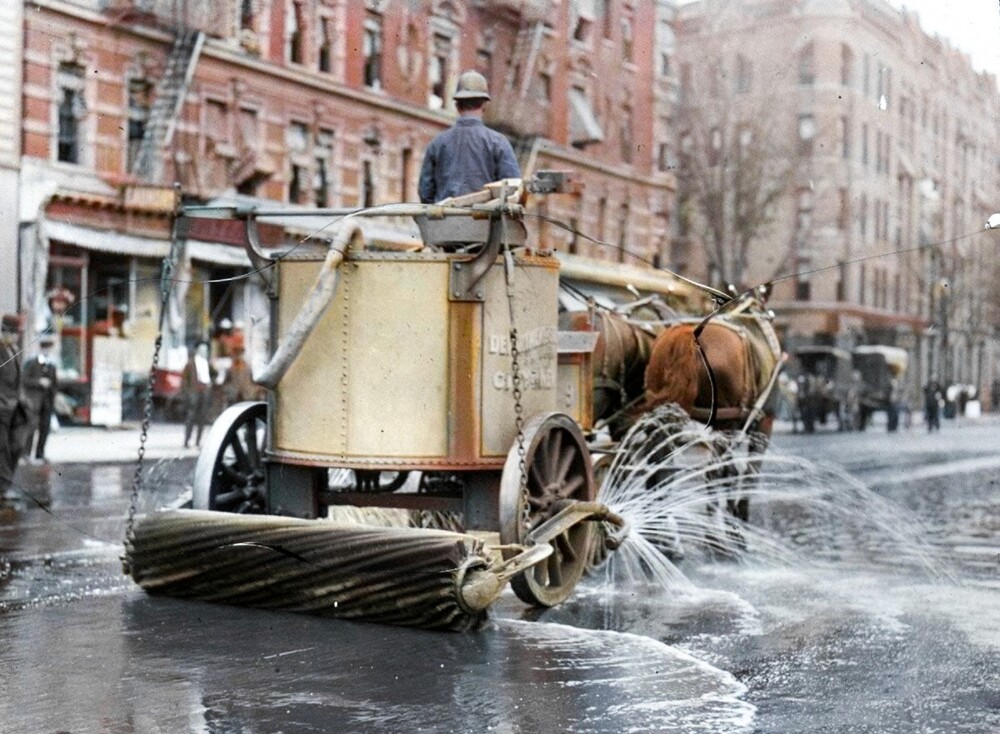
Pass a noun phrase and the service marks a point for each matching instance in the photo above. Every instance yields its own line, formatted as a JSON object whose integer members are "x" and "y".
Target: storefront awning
{"x": 117, "y": 243}
{"x": 583, "y": 125}
{"x": 105, "y": 240}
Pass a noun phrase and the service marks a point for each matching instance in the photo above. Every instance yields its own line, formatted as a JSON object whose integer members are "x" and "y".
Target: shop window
{"x": 372, "y": 51}
{"x": 70, "y": 113}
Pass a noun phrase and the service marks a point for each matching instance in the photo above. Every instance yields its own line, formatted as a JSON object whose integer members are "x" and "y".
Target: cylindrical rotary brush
{"x": 432, "y": 579}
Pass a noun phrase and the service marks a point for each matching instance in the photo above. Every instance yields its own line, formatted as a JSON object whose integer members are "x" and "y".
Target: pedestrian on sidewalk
{"x": 196, "y": 389}
{"x": 40, "y": 385}
{"x": 932, "y": 405}
{"x": 13, "y": 411}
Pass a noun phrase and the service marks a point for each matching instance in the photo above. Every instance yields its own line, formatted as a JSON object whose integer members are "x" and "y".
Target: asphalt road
{"x": 881, "y": 614}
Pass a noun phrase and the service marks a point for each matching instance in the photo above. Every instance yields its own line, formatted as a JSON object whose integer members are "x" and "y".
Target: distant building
{"x": 888, "y": 140}
{"x": 309, "y": 103}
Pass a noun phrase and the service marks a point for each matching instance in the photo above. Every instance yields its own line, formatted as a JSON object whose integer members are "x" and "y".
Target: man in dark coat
{"x": 469, "y": 155}
{"x": 40, "y": 391}
{"x": 932, "y": 405}
{"x": 12, "y": 410}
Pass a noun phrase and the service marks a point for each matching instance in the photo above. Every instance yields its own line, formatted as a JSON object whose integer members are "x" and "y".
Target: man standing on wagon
{"x": 468, "y": 155}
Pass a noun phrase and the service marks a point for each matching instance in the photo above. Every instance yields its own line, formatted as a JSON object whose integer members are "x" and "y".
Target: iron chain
{"x": 515, "y": 381}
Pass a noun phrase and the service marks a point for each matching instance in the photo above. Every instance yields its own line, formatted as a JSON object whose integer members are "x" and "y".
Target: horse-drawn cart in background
{"x": 881, "y": 369}
{"x": 447, "y": 361}
{"x": 827, "y": 385}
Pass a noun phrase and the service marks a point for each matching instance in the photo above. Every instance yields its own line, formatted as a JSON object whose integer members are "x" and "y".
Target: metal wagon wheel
{"x": 229, "y": 475}
{"x": 558, "y": 469}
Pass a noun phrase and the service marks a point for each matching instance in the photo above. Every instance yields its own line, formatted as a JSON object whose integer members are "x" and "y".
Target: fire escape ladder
{"x": 171, "y": 91}
{"x": 522, "y": 58}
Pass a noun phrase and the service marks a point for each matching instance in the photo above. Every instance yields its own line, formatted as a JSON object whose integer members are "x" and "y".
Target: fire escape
{"x": 171, "y": 90}
{"x": 515, "y": 111}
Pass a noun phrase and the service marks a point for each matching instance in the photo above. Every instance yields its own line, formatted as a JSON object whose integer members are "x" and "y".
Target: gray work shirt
{"x": 463, "y": 159}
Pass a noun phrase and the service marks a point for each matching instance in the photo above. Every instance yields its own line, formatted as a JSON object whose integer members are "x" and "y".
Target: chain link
{"x": 515, "y": 380}
{"x": 147, "y": 405}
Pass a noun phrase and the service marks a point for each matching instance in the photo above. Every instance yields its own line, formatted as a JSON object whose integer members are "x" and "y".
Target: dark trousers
{"x": 41, "y": 427}
{"x": 194, "y": 415}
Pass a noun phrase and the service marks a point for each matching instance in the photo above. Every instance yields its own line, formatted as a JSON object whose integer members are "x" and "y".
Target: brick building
{"x": 879, "y": 138}
{"x": 308, "y": 103}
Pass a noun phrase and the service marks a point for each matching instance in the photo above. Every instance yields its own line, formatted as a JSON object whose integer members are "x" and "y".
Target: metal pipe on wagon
{"x": 315, "y": 306}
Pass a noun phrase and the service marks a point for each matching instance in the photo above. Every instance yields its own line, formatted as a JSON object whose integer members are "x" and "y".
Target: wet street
{"x": 881, "y": 613}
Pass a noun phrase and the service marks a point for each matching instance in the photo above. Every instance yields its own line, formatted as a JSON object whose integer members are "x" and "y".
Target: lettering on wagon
{"x": 536, "y": 355}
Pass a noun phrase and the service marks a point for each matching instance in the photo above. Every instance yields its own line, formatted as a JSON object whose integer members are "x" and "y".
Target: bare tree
{"x": 734, "y": 170}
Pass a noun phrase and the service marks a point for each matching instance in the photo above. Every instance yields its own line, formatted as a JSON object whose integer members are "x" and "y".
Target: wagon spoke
{"x": 228, "y": 499}
{"x": 233, "y": 475}
{"x": 568, "y": 489}
{"x": 554, "y": 563}
{"x": 253, "y": 451}
{"x": 564, "y": 464}
{"x": 240, "y": 452}
{"x": 566, "y": 546}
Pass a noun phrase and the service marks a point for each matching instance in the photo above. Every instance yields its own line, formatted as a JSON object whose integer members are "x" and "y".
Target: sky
{"x": 972, "y": 26}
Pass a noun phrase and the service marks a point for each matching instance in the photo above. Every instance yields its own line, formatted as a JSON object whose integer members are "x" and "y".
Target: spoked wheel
{"x": 372, "y": 480}
{"x": 556, "y": 468}
{"x": 229, "y": 475}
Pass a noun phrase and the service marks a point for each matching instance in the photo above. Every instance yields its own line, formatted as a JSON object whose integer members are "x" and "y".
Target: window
{"x": 293, "y": 32}
{"x": 367, "y": 185}
{"x": 807, "y": 64}
{"x": 623, "y": 226}
{"x": 866, "y": 74}
{"x": 246, "y": 15}
{"x": 438, "y": 71}
{"x": 372, "y": 51}
{"x": 807, "y": 134}
{"x": 71, "y": 112}
{"x": 803, "y": 292}
{"x": 685, "y": 79}
{"x": 297, "y": 140}
{"x": 326, "y": 39}
{"x": 322, "y": 167}
{"x": 845, "y": 137}
{"x": 714, "y": 146}
{"x": 405, "y": 173}
{"x": 744, "y": 136}
{"x": 863, "y": 216}
{"x": 846, "y": 65}
{"x": 139, "y": 96}
{"x": 864, "y": 144}
{"x": 804, "y": 201}
{"x": 843, "y": 209}
{"x": 627, "y": 137}
{"x": 582, "y": 20}
{"x": 628, "y": 39}
{"x": 744, "y": 74}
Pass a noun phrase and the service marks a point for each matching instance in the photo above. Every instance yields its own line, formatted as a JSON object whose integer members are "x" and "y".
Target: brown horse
{"x": 742, "y": 357}
{"x": 743, "y": 353}
{"x": 619, "y": 362}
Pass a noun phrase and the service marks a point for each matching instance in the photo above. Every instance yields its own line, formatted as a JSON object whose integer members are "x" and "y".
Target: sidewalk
{"x": 94, "y": 444}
